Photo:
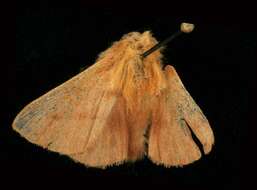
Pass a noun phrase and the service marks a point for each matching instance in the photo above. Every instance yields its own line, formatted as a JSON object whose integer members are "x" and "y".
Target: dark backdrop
{"x": 216, "y": 64}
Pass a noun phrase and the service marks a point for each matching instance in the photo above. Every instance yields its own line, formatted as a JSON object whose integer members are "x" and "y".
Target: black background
{"x": 217, "y": 64}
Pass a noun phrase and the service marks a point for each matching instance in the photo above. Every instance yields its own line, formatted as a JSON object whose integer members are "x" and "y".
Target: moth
{"x": 121, "y": 108}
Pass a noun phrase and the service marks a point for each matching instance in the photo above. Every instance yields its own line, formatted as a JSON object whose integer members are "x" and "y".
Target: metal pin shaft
{"x": 184, "y": 28}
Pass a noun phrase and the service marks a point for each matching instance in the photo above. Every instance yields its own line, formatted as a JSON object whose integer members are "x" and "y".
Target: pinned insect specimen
{"x": 121, "y": 108}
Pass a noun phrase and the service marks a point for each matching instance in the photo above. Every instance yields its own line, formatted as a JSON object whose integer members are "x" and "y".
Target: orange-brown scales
{"x": 101, "y": 116}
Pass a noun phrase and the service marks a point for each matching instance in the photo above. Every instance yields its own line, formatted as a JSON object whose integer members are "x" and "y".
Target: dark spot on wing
{"x": 20, "y": 123}
{"x": 24, "y": 119}
{"x": 184, "y": 127}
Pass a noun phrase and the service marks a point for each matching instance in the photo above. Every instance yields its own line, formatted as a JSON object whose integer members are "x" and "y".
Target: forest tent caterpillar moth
{"x": 100, "y": 117}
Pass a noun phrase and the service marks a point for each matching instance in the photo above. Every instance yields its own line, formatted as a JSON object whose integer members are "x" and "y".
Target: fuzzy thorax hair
{"x": 134, "y": 74}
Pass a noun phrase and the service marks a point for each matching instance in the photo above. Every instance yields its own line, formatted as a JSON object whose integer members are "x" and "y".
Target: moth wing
{"x": 170, "y": 139}
{"x": 81, "y": 116}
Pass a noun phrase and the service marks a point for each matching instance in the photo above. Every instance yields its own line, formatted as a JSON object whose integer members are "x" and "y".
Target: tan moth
{"x": 106, "y": 114}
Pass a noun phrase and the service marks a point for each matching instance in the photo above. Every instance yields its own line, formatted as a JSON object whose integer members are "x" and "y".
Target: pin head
{"x": 187, "y": 27}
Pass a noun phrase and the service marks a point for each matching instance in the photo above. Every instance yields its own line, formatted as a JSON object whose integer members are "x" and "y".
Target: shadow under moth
{"x": 121, "y": 108}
